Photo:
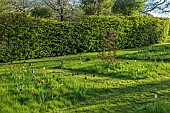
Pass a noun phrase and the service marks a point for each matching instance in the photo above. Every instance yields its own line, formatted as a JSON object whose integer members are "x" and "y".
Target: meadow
{"x": 138, "y": 80}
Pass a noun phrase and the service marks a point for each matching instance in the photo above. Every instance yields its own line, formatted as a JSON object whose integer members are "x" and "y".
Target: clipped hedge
{"x": 23, "y": 37}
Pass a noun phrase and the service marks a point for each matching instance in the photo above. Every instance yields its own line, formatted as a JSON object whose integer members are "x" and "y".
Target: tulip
{"x": 42, "y": 81}
{"x": 44, "y": 68}
{"x": 57, "y": 79}
{"x": 19, "y": 77}
{"x": 32, "y": 93}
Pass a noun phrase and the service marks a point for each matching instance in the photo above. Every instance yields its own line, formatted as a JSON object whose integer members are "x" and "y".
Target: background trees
{"x": 128, "y": 7}
{"x": 96, "y": 7}
{"x": 43, "y": 12}
{"x": 68, "y": 9}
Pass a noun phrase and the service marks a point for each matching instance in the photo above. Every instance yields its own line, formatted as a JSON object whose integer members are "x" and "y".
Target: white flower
{"x": 156, "y": 96}
{"x": 44, "y": 68}
{"x": 135, "y": 60}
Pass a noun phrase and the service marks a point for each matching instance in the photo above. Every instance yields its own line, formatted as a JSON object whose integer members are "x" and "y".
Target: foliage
{"x": 4, "y": 5}
{"x": 41, "y": 12}
{"x": 127, "y": 7}
{"x": 95, "y": 7}
{"x": 25, "y": 37}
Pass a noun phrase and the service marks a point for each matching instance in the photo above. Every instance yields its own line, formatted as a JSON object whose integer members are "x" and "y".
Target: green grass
{"x": 103, "y": 87}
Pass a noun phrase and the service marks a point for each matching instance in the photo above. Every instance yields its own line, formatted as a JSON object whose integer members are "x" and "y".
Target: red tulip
{"x": 32, "y": 93}
{"x": 19, "y": 77}
{"x": 42, "y": 81}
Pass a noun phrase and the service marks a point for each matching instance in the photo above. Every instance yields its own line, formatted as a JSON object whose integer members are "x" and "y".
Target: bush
{"x": 25, "y": 37}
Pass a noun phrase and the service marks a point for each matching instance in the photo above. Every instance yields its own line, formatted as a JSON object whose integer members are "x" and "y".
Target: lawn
{"x": 138, "y": 81}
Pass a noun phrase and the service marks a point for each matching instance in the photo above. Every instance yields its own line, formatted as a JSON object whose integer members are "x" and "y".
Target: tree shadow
{"x": 123, "y": 99}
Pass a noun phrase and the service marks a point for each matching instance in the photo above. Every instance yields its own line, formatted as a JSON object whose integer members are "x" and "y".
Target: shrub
{"x": 23, "y": 37}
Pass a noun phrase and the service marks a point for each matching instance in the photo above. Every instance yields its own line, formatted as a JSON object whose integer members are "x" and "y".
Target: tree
{"x": 4, "y": 5}
{"x": 95, "y": 7}
{"x": 42, "y": 12}
{"x": 128, "y": 7}
{"x": 161, "y": 6}
{"x": 60, "y": 6}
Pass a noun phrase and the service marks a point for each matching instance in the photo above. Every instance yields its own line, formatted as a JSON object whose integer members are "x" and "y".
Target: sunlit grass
{"x": 82, "y": 84}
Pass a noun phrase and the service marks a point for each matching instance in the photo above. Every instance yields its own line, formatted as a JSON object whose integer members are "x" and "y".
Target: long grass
{"x": 87, "y": 83}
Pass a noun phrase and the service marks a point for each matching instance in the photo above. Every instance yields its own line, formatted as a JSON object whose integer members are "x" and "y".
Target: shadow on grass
{"x": 160, "y": 52}
{"x": 123, "y": 99}
{"x": 89, "y": 71}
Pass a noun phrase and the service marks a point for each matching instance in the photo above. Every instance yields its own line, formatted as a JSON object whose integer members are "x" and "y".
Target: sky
{"x": 156, "y": 14}
{"x": 167, "y": 15}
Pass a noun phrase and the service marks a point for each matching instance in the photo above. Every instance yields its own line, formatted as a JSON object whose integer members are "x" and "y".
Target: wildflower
{"x": 52, "y": 89}
{"x": 19, "y": 77}
{"x": 102, "y": 55}
{"x": 23, "y": 67}
{"x": 42, "y": 81}
{"x": 156, "y": 96}
{"x": 118, "y": 63}
{"x": 6, "y": 65}
{"x": 57, "y": 79}
{"x": 32, "y": 93}
{"x": 135, "y": 60}
{"x": 14, "y": 65}
{"x": 44, "y": 68}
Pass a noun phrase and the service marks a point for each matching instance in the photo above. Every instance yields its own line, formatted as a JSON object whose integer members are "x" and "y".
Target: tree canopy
{"x": 128, "y": 7}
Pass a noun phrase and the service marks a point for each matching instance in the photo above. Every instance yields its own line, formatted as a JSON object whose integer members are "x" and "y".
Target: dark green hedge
{"x": 22, "y": 36}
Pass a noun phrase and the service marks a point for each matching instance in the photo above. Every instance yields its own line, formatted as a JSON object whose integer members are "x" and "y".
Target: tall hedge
{"x": 23, "y": 37}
